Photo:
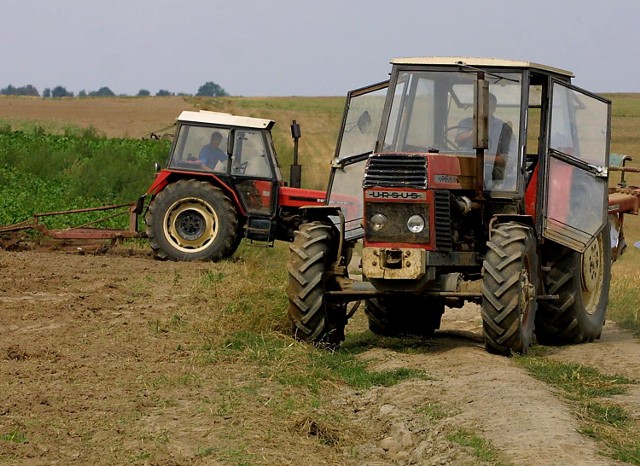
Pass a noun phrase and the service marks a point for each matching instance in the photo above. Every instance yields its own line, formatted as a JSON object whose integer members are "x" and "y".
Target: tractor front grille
{"x": 396, "y": 170}
{"x": 442, "y": 212}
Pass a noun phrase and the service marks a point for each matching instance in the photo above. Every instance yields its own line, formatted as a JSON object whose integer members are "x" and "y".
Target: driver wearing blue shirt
{"x": 211, "y": 154}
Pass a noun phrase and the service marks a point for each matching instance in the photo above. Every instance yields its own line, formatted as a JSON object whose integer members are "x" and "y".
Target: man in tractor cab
{"x": 501, "y": 141}
{"x": 211, "y": 155}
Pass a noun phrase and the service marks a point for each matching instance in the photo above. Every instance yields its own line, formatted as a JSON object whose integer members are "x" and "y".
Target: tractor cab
{"x": 470, "y": 132}
{"x": 236, "y": 149}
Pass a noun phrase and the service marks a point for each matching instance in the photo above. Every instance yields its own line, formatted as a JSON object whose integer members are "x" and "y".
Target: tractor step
{"x": 259, "y": 229}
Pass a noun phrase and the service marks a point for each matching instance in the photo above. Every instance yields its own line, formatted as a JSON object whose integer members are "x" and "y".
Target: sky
{"x": 303, "y": 47}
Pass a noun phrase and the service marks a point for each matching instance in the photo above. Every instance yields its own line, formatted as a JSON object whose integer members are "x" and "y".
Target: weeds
{"x": 482, "y": 449}
{"x": 14, "y": 436}
{"x": 585, "y": 387}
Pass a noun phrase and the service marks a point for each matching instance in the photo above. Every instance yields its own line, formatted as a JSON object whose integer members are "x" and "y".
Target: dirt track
{"x": 85, "y": 367}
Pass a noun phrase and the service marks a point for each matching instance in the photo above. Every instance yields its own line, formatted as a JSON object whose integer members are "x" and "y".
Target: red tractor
{"x": 484, "y": 171}
{"x": 222, "y": 184}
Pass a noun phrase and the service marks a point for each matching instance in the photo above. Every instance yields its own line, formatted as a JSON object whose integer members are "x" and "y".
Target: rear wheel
{"x": 404, "y": 315}
{"x": 509, "y": 286}
{"x": 191, "y": 220}
{"x": 581, "y": 282}
{"x": 314, "y": 320}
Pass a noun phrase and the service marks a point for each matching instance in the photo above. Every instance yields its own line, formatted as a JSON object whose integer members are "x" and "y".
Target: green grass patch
{"x": 590, "y": 391}
{"x": 575, "y": 380}
{"x": 300, "y": 365}
{"x": 435, "y": 411}
{"x": 481, "y": 449}
{"x": 14, "y": 436}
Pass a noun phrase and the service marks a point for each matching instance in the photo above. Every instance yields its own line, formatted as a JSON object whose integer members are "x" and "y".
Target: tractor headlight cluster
{"x": 378, "y": 222}
{"x": 397, "y": 222}
{"x": 416, "y": 224}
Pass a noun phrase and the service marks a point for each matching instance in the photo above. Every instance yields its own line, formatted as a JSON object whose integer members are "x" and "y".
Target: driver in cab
{"x": 211, "y": 157}
{"x": 500, "y": 140}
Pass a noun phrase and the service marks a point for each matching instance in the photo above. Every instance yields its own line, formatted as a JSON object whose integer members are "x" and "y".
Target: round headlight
{"x": 378, "y": 222}
{"x": 415, "y": 224}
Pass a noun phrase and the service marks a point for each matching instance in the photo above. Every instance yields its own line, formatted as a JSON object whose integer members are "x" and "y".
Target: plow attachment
{"x": 86, "y": 231}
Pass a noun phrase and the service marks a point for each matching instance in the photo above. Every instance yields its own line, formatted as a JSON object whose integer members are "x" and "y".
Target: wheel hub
{"x": 592, "y": 274}
{"x": 527, "y": 294}
{"x": 190, "y": 225}
{"x": 591, "y": 267}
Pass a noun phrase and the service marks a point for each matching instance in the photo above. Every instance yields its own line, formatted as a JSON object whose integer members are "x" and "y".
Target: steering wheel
{"x": 450, "y": 143}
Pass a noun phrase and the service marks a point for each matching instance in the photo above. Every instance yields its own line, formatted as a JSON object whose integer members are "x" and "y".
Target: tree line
{"x": 208, "y": 89}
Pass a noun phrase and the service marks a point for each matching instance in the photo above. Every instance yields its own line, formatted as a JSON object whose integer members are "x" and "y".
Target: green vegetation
{"x": 590, "y": 391}
{"x": 29, "y": 90}
{"x": 14, "y": 436}
{"x": 50, "y": 172}
{"x": 482, "y": 449}
{"x": 211, "y": 89}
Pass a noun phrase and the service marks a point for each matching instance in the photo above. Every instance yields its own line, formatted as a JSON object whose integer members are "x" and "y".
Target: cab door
{"x": 252, "y": 171}
{"x": 357, "y": 140}
{"x": 575, "y": 209}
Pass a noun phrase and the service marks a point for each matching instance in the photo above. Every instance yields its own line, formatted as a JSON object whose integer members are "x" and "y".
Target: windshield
{"x": 205, "y": 148}
{"x": 200, "y": 148}
{"x": 432, "y": 111}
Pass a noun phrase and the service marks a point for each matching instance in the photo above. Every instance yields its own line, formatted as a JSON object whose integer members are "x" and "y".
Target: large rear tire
{"x": 581, "y": 282}
{"x": 404, "y": 315}
{"x": 509, "y": 287}
{"x": 191, "y": 220}
{"x": 312, "y": 252}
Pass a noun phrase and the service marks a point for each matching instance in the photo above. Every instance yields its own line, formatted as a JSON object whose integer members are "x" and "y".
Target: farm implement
{"x": 87, "y": 231}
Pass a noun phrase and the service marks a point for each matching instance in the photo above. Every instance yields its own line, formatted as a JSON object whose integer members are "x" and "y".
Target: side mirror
{"x": 481, "y": 114}
{"x": 364, "y": 122}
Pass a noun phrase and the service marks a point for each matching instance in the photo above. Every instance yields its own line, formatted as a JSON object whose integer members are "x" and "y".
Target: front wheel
{"x": 510, "y": 283}
{"x": 581, "y": 282}
{"x": 312, "y": 252}
{"x": 191, "y": 220}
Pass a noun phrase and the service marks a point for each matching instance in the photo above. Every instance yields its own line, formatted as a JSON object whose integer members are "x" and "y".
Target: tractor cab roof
{"x": 224, "y": 119}
{"x": 480, "y": 63}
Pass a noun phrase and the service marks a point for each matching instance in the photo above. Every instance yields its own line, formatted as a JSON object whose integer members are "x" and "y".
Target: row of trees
{"x": 208, "y": 89}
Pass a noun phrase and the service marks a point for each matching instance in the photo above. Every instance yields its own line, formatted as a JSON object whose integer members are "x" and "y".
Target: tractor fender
{"x": 320, "y": 213}
{"x": 504, "y": 218}
{"x": 323, "y": 214}
{"x": 166, "y": 177}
